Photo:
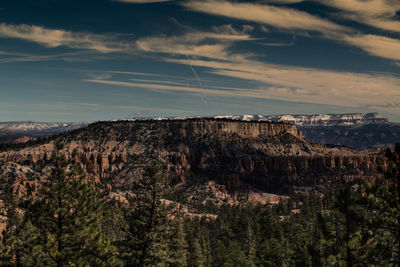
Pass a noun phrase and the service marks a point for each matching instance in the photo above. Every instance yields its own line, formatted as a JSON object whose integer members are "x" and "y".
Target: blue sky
{"x": 63, "y": 60}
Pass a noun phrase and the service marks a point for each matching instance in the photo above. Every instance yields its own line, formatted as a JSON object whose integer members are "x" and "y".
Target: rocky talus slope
{"x": 206, "y": 158}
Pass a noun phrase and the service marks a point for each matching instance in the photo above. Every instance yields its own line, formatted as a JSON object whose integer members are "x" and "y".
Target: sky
{"x": 88, "y": 60}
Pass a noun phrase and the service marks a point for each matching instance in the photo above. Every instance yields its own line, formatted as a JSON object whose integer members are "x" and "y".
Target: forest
{"x": 68, "y": 224}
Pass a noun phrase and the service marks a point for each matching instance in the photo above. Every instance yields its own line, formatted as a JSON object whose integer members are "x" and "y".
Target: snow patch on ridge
{"x": 29, "y": 126}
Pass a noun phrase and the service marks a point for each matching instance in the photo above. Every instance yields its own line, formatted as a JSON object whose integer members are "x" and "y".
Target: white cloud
{"x": 368, "y": 7}
{"x": 290, "y": 19}
{"x": 307, "y": 85}
{"x": 203, "y": 44}
{"x": 377, "y": 13}
{"x": 172, "y": 46}
{"x": 289, "y": 83}
{"x": 376, "y": 45}
{"x": 227, "y": 29}
{"x": 279, "y": 17}
{"x": 56, "y": 38}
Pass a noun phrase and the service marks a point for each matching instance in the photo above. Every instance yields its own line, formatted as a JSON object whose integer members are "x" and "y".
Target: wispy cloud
{"x": 376, "y": 45}
{"x": 204, "y": 44}
{"x": 284, "y": 18}
{"x": 287, "y": 83}
{"x": 307, "y": 85}
{"x": 154, "y": 77}
{"x": 159, "y": 81}
{"x": 167, "y": 87}
{"x": 55, "y": 38}
{"x": 12, "y": 57}
{"x": 135, "y": 73}
{"x": 278, "y": 17}
{"x": 291, "y": 43}
{"x": 213, "y": 52}
{"x": 380, "y": 14}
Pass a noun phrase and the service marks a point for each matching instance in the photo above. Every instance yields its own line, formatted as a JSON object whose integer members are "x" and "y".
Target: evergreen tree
{"x": 272, "y": 249}
{"x": 205, "y": 243}
{"x": 9, "y": 248}
{"x": 113, "y": 223}
{"x": 64, "y": 223}
{"x": 383, "y": 203}
{"x": 147, "y": 218}
{"x": 250, "y": 245}
{"x": 197, "y": 257}
{"x": 345, "y": 229}
{"x": 177, "y": 247}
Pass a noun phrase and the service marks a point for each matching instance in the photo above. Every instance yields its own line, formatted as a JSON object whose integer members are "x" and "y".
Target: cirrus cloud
{"x": 203, "y": 44}
{"x": 376, "y": 45}
{"x": 283, "y": 82}
{"x": 55, "y": 38}
{"x": 378, "y": 13}
{"x": 308, "y": 85}
{"x": 381, "y": 14}
{"x": 278, "y": 17}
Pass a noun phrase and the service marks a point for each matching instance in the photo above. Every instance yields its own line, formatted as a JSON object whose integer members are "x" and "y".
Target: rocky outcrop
{"x": 271, "y": 157}
{"x": 202, "y": 127}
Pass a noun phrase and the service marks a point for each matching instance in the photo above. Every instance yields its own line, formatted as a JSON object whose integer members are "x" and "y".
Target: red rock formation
{"x": 269, "y": 156}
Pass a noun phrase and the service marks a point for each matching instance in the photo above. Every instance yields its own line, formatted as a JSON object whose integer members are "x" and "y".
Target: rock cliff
{"x": 241, "y": 156}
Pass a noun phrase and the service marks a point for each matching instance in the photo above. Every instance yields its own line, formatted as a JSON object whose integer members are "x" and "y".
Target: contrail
{"x": 203, "y": 96}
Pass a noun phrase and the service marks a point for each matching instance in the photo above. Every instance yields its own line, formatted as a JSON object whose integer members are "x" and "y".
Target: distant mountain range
{"x": 30, "y": 126}
{"x": 330, "y": 119}
{"x": 25, "y": 130}
{"x": 356, "y": 130}
{"x": 350, "y": 119}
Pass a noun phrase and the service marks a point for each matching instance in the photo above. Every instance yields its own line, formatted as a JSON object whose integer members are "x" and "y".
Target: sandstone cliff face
{"x": 196, "y": 128}
{"x": 271, "y": 157}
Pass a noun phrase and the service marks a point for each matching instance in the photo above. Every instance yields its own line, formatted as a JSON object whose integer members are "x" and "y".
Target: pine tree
{"x": 344, "y": 229}
{"x": 64, "y": 222}
{"x": 177, "y": 247}
{"x": 147, "y": 218}
{"x": 113, "y": 223}
{"x": 197, "y": 257}
{"x": 9, "y": 249}
{"x": 250, "y": 245}
{"x": 205, "y": 244}
{"x": 383, "y": 203}
{"x": 271, "y": 249}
